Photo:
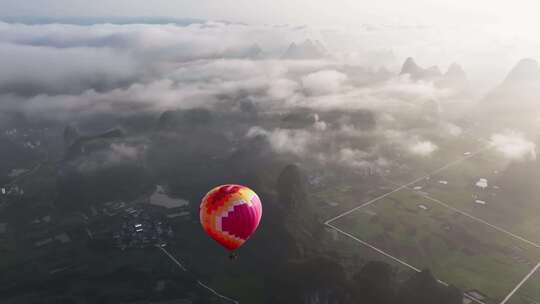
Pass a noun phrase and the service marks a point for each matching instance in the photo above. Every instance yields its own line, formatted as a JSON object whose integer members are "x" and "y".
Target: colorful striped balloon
{"x": 230, "y": 214}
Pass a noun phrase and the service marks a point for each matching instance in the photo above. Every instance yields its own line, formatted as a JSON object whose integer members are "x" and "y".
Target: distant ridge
{"x": 455, "y": 71}
{"x": 252, "y": 52}
{"x": 454, "y": 78}
{"x": 418, "y": 73}
{"x": 79, "y": 143}
{"x": 526, "y": 70}
{"x": 519, "y": 92}
{"x": 306, "y": 50}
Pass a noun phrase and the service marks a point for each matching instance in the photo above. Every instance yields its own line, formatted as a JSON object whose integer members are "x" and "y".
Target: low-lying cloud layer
{"x": 324, "y": 82}
{"x": 94, "y": 68}
{"x": 68, "y": 72}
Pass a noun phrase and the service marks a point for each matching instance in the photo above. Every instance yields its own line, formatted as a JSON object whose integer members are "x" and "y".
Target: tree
{"x": 423, "y": 288}
{"x": 290, "y": 187}
{"x": 376, "y": 283}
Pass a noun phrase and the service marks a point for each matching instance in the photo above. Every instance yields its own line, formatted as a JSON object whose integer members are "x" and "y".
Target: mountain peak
{"x": 409, "y": 67}
{"x": 416, "y": 72}
{"x": 519, "y": 91}
{"x": 526, "y": 70}
{"x": 305, "y": 50}
{"x": 410, "y": 61}
{"x": 308, "y": 42}
{"x": 454, "y": 78}
{"x": 455, "y": 71}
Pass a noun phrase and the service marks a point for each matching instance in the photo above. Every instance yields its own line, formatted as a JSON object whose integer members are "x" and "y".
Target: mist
{"x": 396, "y": 152}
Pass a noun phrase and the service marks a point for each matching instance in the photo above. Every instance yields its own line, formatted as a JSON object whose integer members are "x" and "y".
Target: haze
{"x": 327, "y": 13}
{"x": 393, "y": 146}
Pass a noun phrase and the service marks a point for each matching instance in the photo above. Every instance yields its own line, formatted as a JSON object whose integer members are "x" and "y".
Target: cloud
{"x": 156, "y": 96}
{"x": 121, "y": 70}
{"x": 256, "y": 132}
{"x": 125, "y": 69}
{"x": 31, "y": 70}
{"x": 513, "y": 145}
{"x": 322, "y": 145}
{"x": 283, "y": 140}
{"x": 282, "y": 88}
{"x": 67, "y": 59}
{"x": 125, "y": 152}
{"x": 423, "y": 148}
{"x": 119, "y": 153}
{"x": 324, "y": 82}
{"x": 452, "y": 129}
{"x": 354, "y": 158}
{"x": 319, "y": 124}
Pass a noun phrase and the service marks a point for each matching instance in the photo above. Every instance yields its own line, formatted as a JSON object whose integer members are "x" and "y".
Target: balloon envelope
{"x": 230, "y": 214}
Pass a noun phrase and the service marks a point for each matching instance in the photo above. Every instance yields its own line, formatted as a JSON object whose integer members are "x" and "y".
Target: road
{"x": 518, "y": 286}
{"x": 200, "y": 283}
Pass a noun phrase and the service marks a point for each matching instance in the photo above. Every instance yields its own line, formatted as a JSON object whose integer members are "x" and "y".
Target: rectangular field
{"x": 500, "y": 202}
{"x": 529, "y": 293}
{"x": 409, "y": 166}
{"x": 458, "y": 249}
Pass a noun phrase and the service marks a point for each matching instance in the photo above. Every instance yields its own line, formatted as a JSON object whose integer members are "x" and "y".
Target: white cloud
{"x": 324, "y": 82}
{"x": 513, "y": 145}
{"x": 328, "y": 147}
{"x": 256, "y": 131}
{"x": 284, "y": 140}
{"x": 42, "y": 69}
{"x": 115, "y": 154}
{"x": 131, "y": 68}
{"x": 452, "y": 129}
{"x": 290, "y": 141}
{"x": 423, "y": 148}
{"x": 124, "y": 152}
{"x": 319, "y": 125}
{"x": 282, "y": 88}
{"x": 354, "y": 158}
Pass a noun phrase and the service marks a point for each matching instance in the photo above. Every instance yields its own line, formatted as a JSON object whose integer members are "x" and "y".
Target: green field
{"x": 449, "y": 150}
{"x": 458, "y": 249}
{"x": 337, "y": 198}
{"x": 519, "y": 215}
{"x": 529, "y": 293}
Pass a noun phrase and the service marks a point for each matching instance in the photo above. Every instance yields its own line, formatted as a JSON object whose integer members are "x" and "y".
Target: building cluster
{"x": 482, "y": 183}
{"x": 139, "y": 230}
{"x": 28, "y": 138}
{"x": 12, "y": 191}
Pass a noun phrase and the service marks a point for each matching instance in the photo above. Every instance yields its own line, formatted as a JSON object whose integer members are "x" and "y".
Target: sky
{"x": 310, "y": 12}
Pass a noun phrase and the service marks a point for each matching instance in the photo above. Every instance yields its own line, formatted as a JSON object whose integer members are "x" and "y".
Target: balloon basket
{"x": 233, "y": 256}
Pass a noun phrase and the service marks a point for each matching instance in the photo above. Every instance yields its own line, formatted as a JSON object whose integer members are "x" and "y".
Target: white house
{"x": 482, "y": 183}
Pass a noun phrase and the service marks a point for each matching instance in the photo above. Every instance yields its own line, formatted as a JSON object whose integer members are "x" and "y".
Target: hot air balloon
{"x": 230, "y": 214}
